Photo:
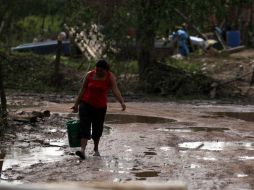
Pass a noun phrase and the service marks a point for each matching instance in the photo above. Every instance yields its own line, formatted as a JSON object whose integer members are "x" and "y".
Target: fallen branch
{"x": 31, "y": 117}
{"x": 215, "y": 85}
{"x": 234, "y": 50}
{"x": 235, "y": 79}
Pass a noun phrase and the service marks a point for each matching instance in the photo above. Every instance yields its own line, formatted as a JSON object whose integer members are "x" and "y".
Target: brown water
{"x": 125, "y": 119}
{"x": 246, "y": 116}
{"x": 23, "y": 155}
{"x": 163, "y": 151}
{"x": 150, "y": 153}
{"x": 145, "y": 174}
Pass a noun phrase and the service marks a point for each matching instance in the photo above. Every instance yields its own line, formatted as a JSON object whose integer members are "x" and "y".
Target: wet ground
{"x": 204, "y": 144}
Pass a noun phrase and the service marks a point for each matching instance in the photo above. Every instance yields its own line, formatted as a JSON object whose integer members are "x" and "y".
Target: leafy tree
{"x": 12, "y": 13}
{"x": 18, "y": 18}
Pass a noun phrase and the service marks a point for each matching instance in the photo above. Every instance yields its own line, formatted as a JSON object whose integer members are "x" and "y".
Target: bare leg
{"x": 96, "y": 147}
{"x": 96, "y": 144}
{"x": 83, "y": 143}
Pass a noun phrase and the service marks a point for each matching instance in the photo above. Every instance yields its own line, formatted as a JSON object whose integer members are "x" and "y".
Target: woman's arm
{"x": 81, "y": 92}
{"x": 116, "y": 91}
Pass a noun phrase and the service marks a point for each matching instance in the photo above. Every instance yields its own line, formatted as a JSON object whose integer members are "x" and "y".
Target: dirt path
{"x": 150, "y": 141}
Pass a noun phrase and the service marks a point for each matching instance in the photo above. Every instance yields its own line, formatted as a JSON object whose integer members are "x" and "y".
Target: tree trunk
{"x": 43, "y": 25}
{"x": 1, "y": 26}
{"x": 3, "y": 106}
{"x": 145, "y": 51}
{"x": 145, "y": 37}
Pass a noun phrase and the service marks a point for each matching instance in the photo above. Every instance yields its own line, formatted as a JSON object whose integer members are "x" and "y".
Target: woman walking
{"x": 91, "y": 104}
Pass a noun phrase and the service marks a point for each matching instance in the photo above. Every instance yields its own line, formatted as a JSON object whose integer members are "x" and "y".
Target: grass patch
{"x": 185, "y": 65}
{"x": 27, "y": 71}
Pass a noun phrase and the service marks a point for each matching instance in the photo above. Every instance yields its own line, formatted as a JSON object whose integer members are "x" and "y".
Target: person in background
{"x": 180, "y": 36}
{"x": 189, "y": 42}
{"x": 91, "y": 104}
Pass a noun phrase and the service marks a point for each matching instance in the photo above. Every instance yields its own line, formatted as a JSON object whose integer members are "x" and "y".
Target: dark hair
{"x": 102, "y": 64}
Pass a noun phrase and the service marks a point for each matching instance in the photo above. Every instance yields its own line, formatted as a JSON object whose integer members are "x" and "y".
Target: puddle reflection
{"x": 59, "y": 143}
{"x": 246, "y": 158}
{"x": 217, "y": 145}
{"x": 165, "y": 148}
{"x": 242, "y": 175}
{"x": 209, "y": 158}
{"x": 192, "y": 129}
{"x": 116, "y": 165}
{"x": 22, "y": 157}
{"x": 193, "y": 166}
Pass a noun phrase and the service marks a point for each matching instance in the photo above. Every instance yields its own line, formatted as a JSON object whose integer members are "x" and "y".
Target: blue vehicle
{"x": 47, "y": 47}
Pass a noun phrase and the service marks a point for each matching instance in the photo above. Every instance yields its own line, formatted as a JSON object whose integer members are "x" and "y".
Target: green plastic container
{"x": 73, "y": 129}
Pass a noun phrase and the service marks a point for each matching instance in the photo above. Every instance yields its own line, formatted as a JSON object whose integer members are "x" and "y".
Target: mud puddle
{"x": 142, "y": 143}
{"x": 217, "y": 146}
{"x": 22, "y": 155}
{"x": 145, "y": 174}
{"x": 126, "y": 119}
{"x": 27, "y": 152}
{"x": 192, "y": 129}
{"x": 246, "y": 116}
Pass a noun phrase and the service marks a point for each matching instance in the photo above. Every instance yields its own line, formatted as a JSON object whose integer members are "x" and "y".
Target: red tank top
{"x": 97, "y": 90}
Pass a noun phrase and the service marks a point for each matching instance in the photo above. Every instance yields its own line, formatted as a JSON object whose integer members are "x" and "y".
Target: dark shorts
{"x": 91, "y": 118}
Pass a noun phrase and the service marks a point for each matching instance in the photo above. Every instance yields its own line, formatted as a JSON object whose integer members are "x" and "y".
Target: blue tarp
{"x": 47, "y": 47}
{"x": 233, "y": 39}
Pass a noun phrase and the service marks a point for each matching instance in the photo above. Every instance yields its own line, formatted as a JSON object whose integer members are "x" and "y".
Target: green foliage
{"x": 31, "y": 28}
{"x": 121, "y": 67}
{"x": 185, "y": 65}
{"x": 24, "y": 19}
{"x": 31, "y": 72}
{"x": 124, "y": 19}
{"x": 146, "y": 19}
{"x": 168, "y": 80}
{"x": 77, "y": 13}
{"x": 27, "y": 71}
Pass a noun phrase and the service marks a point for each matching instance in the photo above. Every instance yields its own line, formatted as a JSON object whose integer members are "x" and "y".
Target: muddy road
{"x": 204, "y": 144}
